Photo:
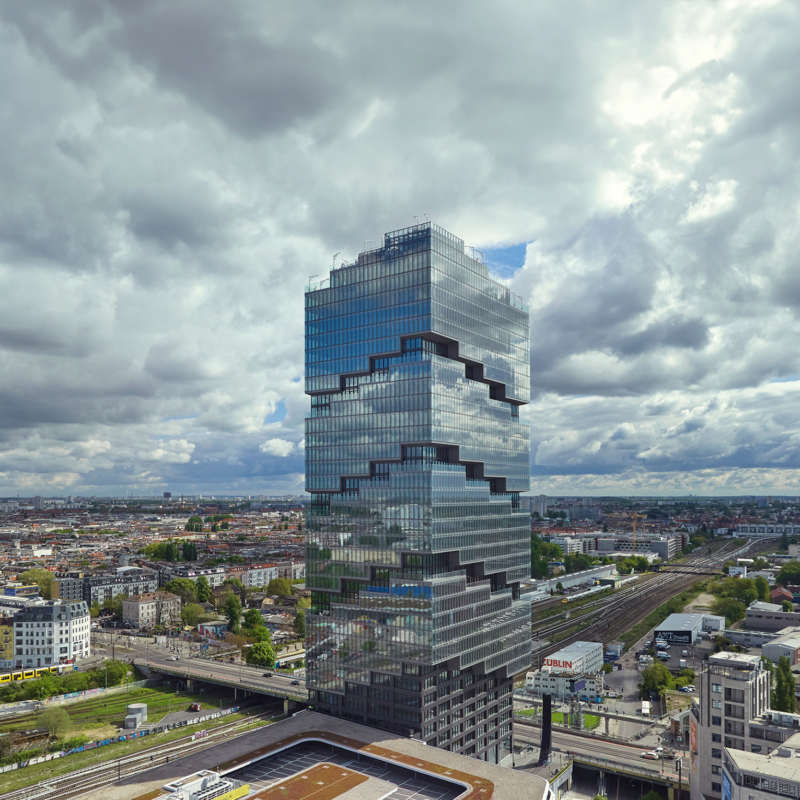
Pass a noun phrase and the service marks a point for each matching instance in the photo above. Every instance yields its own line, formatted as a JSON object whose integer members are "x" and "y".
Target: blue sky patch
{"x": 279, "y": 414}
{"x": 505, "y": 261}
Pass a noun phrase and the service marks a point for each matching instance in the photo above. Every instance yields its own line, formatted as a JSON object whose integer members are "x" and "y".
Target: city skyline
{"x": 177, "y": 172}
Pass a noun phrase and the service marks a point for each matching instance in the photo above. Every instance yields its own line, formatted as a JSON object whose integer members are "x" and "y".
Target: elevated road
{"x": 620, "y": 759}
{"x": 144, "y": 654}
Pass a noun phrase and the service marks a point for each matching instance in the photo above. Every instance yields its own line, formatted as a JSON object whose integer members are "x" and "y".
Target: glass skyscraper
{"x": 417, "y": 363}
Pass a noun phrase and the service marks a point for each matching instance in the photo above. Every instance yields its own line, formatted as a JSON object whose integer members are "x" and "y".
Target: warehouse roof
{"x": 681, "y": 622}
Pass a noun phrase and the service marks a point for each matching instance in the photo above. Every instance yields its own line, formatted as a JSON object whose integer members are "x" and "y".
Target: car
{"x": 650, "y": 755}
{"x": 685, "y": 690}
{"x": 172, "y": 658}
{"x": 267, "y": 674}
{"x": 295, "y": 683}
{"x": 196, "y": 707}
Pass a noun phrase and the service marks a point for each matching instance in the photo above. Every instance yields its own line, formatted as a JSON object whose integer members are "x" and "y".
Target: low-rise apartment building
{"x": 151, "y": 610}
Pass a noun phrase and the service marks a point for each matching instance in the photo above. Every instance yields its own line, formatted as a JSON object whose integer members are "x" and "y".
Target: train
{"x": 35, "y": 672}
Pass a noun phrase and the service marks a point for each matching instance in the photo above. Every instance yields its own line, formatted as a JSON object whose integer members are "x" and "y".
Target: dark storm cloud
{"x": 174, "y": 171}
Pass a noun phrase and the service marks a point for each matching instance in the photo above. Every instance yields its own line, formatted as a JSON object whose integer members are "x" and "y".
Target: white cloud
{"x": 180, "y": 169}
{"x": 277, "y": 447}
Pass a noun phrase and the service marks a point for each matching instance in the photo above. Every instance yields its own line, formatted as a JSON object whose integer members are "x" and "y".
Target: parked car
{"x": 685, "y": 689}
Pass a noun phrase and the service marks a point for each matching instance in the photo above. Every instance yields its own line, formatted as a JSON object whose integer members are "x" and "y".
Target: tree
{"x": 225, "y": 526}
{"x": 41, "y": 577}
{"x": 253, "y": 618}
{"x": 189, "y": 551}
{"x": 299, "y": 624}
{"x": 233, "y": 612}
{"x": 261, "y": 634}
{"x": 762, "y": 587}
{"x": 559, "y": 587}
{"x": 784, "y": 697}
{"x": 789, "y": 574}
{"x": 651, "y": 795}
{"x": 192, "y": 614}
{"x": 261, "y": 655}
{"x": 214, "y": 528}
{"x": 732, "y": 610}
{"x": 784, "y": 541}
{"x": 55, "y": 720}
{"x": 656, "y": 678}
{"x": 787, "y": 605}
{"x": 541, "y": 554}
{"x": 743, "y": 589}
{"x": 279, "y": 586}
{"x": 94, "y": 611}
{"x": 185, "y": 588}
{"x": 769, "y": 668}
{"x": 304, "y": 602}
{"x": 203, "y": 589}
{"x": 607, "y": 668}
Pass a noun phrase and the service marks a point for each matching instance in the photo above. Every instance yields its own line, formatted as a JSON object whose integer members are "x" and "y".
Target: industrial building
{"x": 686, "y": 628}
{"x": 788, "y": 644}
{"x": 770, "y": 617}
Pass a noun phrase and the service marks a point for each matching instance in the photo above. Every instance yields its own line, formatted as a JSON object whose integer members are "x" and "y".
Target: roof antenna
{"x": 334, "y": 259}
{"x": 427, "y": 217}
{"x": 416, "y": 219}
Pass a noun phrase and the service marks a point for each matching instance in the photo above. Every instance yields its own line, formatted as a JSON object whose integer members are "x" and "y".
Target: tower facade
{"x": 417, "y": 363}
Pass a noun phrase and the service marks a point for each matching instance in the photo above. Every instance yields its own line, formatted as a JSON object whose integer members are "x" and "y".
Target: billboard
{"x": 726, "y": 786}
{"x": 693, "y": 742}
{"x": 679, "y": 637}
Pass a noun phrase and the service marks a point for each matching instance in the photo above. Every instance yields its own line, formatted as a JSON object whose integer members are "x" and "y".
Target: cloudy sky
{"x": 172, "y": 172}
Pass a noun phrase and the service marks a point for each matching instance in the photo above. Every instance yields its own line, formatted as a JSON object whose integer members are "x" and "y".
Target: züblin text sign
{"x": 556, "y": 662}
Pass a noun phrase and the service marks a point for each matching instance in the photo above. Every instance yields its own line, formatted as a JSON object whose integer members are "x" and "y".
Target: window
{"x": 755, "y": 748}
{"x": 716, "y": 720}
{"x": 716, "y": 752}
{"x": 715, "y": 737}
{"x": 716, "y": 787}
{"x": 716, "y": 769}
{"x": 716, "y": 688}
{"x": 716, "y": 703}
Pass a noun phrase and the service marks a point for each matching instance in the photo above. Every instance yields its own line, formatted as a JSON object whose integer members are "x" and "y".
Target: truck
{"x": 682, "y": 662}
{"x": 665, "y": 752}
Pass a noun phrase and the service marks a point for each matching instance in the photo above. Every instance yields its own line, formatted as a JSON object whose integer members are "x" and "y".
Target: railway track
{"x": 96, "y": 776}
{"x": 609, "y": 617}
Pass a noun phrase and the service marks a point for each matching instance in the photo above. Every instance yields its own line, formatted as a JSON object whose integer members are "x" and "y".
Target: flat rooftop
{"x": 681, "y": 622}
{"x": 348, "y": 761}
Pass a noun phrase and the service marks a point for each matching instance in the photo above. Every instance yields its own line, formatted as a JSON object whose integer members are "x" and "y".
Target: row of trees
{"x": 735, "y": 594}
{"x": 171, "y": 551}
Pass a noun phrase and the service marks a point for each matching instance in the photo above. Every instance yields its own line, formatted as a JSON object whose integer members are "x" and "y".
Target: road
{"x": 143, "y": 652}
{"x": 599, "y": 750}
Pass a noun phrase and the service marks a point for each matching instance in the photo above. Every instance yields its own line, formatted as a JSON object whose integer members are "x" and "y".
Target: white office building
{"x": 564, "y": 687}
{"x": 51, "y": 632}
{"x": 579, "y": 658}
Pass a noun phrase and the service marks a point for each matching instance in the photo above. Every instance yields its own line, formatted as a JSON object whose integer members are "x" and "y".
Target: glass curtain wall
{"x": 417, "y": 363}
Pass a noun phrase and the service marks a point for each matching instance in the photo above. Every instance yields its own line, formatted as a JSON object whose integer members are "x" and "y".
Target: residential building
{"x": 150, "y": 610}
{"x": 733, "y": 689}
{"x": 6, "y": 642}
{"x": 51, "y": 632}
{"x": 14, "y": 589}
{"x": 96, "y": 589}
{"x": 417, "y": 364}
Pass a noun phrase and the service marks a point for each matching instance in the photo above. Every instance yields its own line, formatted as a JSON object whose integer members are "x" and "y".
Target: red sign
{"x": 554, "y": 662}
